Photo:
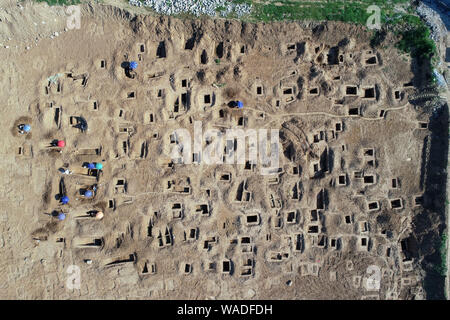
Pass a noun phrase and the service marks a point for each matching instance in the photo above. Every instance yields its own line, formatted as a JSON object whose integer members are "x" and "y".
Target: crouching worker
{"x": 24, "y": 128}
{"x": 129, "y": 70}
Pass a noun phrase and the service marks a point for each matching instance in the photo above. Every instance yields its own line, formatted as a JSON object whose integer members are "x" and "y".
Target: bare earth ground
{"x": 316, "y": 234}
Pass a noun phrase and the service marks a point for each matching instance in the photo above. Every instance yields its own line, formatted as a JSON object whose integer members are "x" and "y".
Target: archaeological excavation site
{"x": 99, "y": 183}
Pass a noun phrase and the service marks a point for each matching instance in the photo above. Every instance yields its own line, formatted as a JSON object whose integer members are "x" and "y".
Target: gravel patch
{"x": 433, "y": 20}
{"x": 221, "y": 8}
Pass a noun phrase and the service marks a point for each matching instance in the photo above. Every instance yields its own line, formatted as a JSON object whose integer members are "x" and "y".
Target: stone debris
{"x": 433, "y": 21}
{"x": 222, "y": 8}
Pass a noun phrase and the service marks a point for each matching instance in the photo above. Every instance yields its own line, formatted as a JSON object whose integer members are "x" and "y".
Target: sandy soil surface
{"x": 337, "y": 214}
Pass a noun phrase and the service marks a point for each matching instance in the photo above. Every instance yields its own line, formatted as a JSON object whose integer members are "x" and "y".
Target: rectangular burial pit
{"x": 395, "y": 183}
{"x": 369, "y": 93}
{"x": 291, "y": 217}
{"x": 252, "y": 219}
{"x": 396, "y": 204}
{"x": 370, "y": 61}
{"x": 149, "y": 268}
{"x": 314, "y": 91}
{"x": 259, "y": 90}
{"x": 369, "y": 152}
{"x": 354, "y": 111}
{"x": 351, "y": 90}
{"x": 418, "y": 200}
{"x": 203, "y": 209}
{"x": 373, "y": 205}
{"x": 187, "y": 268}
{"x": 226, "y": 266}
{"x": 342, "y": 180}
{"x": 288, "y": 91}
{"x": 315, "y": 215}
{"x": 423, "y": 125}
{"x": 364, "y": 243}
{"x": 225, "y": 176}
{"x": 348, "y": 219}
{"x": 314, "y": 229}
{"x": 369, "y": 179}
